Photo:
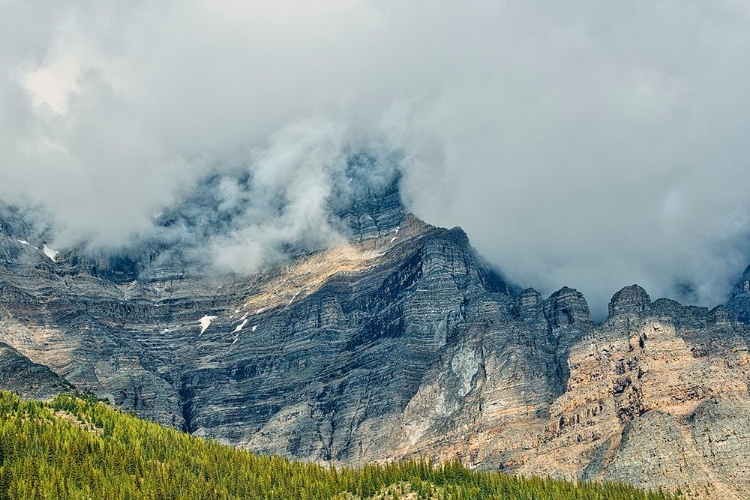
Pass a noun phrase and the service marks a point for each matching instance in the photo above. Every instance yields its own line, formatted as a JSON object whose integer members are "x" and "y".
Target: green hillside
{"x": 82, "y": 449}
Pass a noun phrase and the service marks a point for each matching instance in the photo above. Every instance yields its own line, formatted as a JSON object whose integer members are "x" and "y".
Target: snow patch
{"x": 295, "y": 296}
{"x": 205, "y": 322}
{"x": 260, "y": 310}
{"x": 255, "y": 327}
{"x": 52, "y": 254}
{"x": 23, "y": 242}
{"x": 240, "y": 327}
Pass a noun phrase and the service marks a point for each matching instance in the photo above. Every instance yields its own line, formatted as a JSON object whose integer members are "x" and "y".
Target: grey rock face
{"x": 402, "y": 343}
{"x": 739, "y": 303}
{"x": 721, "y": 432}
{"x": 630, "y": 301}
{"x": 373, "y": 212}
{"x": 654, "y": 454}
{"x": 28, "y": 379}
{"x": 530, "y": 306}
{"x": 567, "y": 306}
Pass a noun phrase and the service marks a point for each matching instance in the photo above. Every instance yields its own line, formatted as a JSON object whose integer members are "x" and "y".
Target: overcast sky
{"x": 583, "y": 143}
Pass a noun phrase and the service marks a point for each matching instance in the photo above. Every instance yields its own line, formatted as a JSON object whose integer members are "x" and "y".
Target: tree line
{"x": 76, "y": 447}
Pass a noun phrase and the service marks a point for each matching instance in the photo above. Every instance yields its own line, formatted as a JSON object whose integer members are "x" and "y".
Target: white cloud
{"x": 582, "y": 143}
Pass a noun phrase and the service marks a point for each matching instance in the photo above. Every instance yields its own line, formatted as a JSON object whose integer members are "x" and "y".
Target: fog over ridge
{"x": 586, "y": 144}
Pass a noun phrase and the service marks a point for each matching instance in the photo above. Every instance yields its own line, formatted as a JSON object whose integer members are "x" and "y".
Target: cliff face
{"x": 651, "y": 393}
{"x": 400, "y": 343}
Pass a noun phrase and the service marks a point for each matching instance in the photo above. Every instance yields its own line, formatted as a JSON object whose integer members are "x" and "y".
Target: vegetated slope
{"x": 80, "y": 448}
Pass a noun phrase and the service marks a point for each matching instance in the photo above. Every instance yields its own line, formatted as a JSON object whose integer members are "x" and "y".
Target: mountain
{"x": 401, "y": 343}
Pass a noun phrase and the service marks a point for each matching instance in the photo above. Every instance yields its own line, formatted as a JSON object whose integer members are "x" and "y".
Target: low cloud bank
{"x": 582, "y": 144}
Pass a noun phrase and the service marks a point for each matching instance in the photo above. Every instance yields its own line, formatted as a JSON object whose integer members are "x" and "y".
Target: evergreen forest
{"x": 75, "y": 447}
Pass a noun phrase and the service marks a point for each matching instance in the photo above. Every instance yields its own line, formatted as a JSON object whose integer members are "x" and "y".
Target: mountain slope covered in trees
{"x": 79, "y": 448}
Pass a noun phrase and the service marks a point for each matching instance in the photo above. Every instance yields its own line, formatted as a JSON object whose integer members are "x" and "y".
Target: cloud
{"x": 285, "y": 200}
{"x": 585, "y": 144}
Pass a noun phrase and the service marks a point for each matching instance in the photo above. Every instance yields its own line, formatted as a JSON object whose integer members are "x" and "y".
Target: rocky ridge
{"x": 402, "y": 342}
{"x": 26, "y": 378}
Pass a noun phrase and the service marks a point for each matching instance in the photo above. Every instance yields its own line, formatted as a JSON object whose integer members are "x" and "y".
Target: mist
{"x": 586, "y": 144}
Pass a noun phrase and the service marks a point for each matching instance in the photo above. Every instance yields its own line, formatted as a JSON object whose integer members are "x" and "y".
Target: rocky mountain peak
{"x": 630, "y": 301}
{"x": 566, "y": 306}
{"x": 367, "y": 205}
{"x": 529, "y": 305}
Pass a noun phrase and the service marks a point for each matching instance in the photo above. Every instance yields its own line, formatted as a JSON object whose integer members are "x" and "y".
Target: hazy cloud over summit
{"x": 589, "y": 144}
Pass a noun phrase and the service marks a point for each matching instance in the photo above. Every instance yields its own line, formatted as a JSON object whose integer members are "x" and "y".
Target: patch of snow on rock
{"x": 52, "y": 254}
{"x": 240, "y": 326}
{"x": 23, "y": 242}
{"x": 205, "y": 322}
{"x": 394, "y": 234}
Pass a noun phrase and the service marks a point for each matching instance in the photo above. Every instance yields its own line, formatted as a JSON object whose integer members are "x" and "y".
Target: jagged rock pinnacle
{"x": 631, "y": 300}
{"x": 567, "y": 306}
{"x": 529, "y": 305}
